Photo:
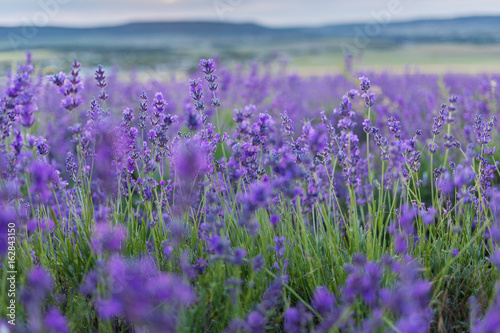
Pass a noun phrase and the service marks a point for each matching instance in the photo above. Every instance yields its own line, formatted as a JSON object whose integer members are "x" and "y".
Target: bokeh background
{"x": 156, "y": 38}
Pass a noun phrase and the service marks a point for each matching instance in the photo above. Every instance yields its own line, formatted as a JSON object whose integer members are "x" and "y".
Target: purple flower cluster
{"x": 69, "y": 86}
{"x": 139, "y": 293}
{"x": 151, "y": 216}
{"x": 408, "y": 300}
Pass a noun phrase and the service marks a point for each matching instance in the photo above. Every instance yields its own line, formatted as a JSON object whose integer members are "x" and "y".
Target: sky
{"x": 276, "y": 13}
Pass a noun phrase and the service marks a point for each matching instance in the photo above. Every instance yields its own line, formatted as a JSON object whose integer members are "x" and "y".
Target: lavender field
{"x": 249, "y": 199}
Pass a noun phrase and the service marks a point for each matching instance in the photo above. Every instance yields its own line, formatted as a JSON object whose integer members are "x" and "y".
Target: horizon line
{"x": 256, "y": 23}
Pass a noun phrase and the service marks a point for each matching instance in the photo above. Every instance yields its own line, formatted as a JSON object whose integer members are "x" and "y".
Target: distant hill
{"x": 150, "y": 35}
{"x": 173, "y": 35}
{"x": 482, "y": 29}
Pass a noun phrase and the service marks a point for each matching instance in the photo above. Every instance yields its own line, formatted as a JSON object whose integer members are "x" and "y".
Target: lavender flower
{"x": 56, "y": 322}
{"x": 196, "y": 92}
{"x": 101, "y": 82}
{"x": 296, "y": 319}
{"x": 255, "y": 322}
{"x": 71, "y": 88}
{"x": 365, "y": 83}
{"x": 42, "y": 148}
{"x": 323, "y": 301}
{"x": 107, "y": 238}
